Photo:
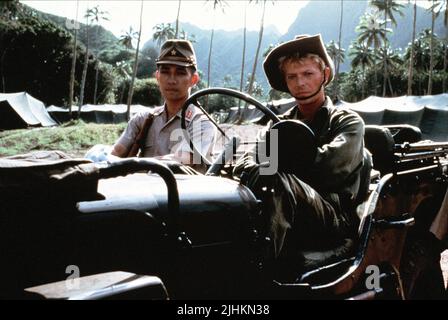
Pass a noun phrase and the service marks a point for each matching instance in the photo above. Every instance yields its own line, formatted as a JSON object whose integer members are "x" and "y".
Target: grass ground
{"x": 76, "y": 137}
{"x": 73, "y": 138}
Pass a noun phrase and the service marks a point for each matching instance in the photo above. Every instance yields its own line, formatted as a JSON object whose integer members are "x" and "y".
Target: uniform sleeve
{"x": 203, "y": 134}
{"x": 249, "y": 158}
{"x": 129, "y": 135}
{"x": 339, "y": 158}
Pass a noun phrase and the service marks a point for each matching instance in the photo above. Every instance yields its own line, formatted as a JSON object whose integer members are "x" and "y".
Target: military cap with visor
{"x": 177, "y": 52}
{"x": 302, "y": 44}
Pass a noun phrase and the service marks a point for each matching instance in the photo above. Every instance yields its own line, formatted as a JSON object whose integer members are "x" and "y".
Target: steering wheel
{"x": 296, "y": 146}
{"x": 231, "y": 142}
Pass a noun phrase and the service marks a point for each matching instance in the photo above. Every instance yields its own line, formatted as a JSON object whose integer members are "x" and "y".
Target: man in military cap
{"x": 316, "y": 212}
{"x": 157, "y": 133}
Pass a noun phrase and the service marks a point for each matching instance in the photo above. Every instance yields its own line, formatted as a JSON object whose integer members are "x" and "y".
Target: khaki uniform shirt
{"x": 165, "y": 136}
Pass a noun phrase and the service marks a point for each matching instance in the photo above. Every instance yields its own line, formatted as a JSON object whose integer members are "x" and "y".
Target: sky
{"x": 123, "y": 14}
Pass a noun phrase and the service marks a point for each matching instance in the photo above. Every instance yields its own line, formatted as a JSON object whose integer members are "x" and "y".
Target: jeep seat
{"x": 405, "y": 133}
{"x": 380, "y": 142}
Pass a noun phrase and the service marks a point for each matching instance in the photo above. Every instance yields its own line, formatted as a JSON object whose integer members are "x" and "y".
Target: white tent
{"x": 106, "y": 113}
{"x": 18, "y": 110}
{"x": 429, "y": 113}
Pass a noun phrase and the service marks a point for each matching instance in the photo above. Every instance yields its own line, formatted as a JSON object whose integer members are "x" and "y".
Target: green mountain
{"x": 323, "y": 17}
{"x": 318, "y": 16}
{"x": 99, "y": 38}
{"x": 227, "y": 52}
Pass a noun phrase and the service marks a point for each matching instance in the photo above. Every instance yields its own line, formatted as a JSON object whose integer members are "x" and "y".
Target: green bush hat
{"x": 303, "y": 44}
{"x": 177, "y": 52}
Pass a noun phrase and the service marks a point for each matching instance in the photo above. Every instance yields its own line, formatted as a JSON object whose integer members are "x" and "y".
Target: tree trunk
{"x": 363, "y": 83}
{"x": 96, "y": 81}
{"x": 122, "y": 94}
{"x": 336, "y": 76}
{"x": 177, "y": 20}
{"x": 386, "y": 75}
{"x": 420, "y": 91}
{"x": 243, "y": 61}
{"x": 375, "y": 78}
{"x": 72, "y": 77}
{"x": 2, "y": 70}
{"x": 431, "y": 52}
{"x": 411, "y": 61}
{"x": 390, "y": 86}
{"x": 260, "y": 38}
{"x": 2, "y": 63}
{"x": 445, "y": 65}
{"x": 209, "y": 65}
{"x": 73, "y": 69}
{"x": 96, "y": 70}
{"x": 134, "y": 73}
{"x": 84, "y": 73}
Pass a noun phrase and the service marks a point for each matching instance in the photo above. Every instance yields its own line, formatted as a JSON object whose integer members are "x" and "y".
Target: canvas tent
{"x": 106, "y": 113}
{"x": 253, "y": 115}
{"x": 429, "y": 113}
{"x": 20, "y": 110}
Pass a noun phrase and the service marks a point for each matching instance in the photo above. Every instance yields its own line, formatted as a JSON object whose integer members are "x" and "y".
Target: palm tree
{"x": 122, "y": 70}
{"x": 338, "y": 56}
{"x": 91, "y": 15}
{"x": 335, "y": 52}
{"x": 243, "y": 58}
{"x": 86, "y": 62}
{"x": 96, "y": 16}
{"x": 209, "y": 63}
{"x": 423, "y": 55}
{"x": 163, "y": 32}
{"x": 73, "y": 69}
{"x": 421, "y": 52}
{"x": 388, "y": 8}
{"x": 339, "y": 46}
{"x": 257, "y": 89}
{"x": 393, "y": 60}
{"x": 221, "y": 4}
{"x": 134, "y": 73}
{"x": 176, "y": 35}
{"x": 260, "y": 38}
{"x": 243, "y": 61}
{"x": 445, "y": 64}
{"x": 371, "y": 31}
{"x": 435, "y": 9}
{"x": 411, "y": 58}
{"x": 127, "y": 37}
{"x": 445, "y": 52}
{"x": 434, "y": 15}
{"x": 185, "y": 36}
{"x": 331, "y": 49}
{"x": 9, "y": 9}
{"x": 362, "y": 56}
{"x": 445, "y": 45}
